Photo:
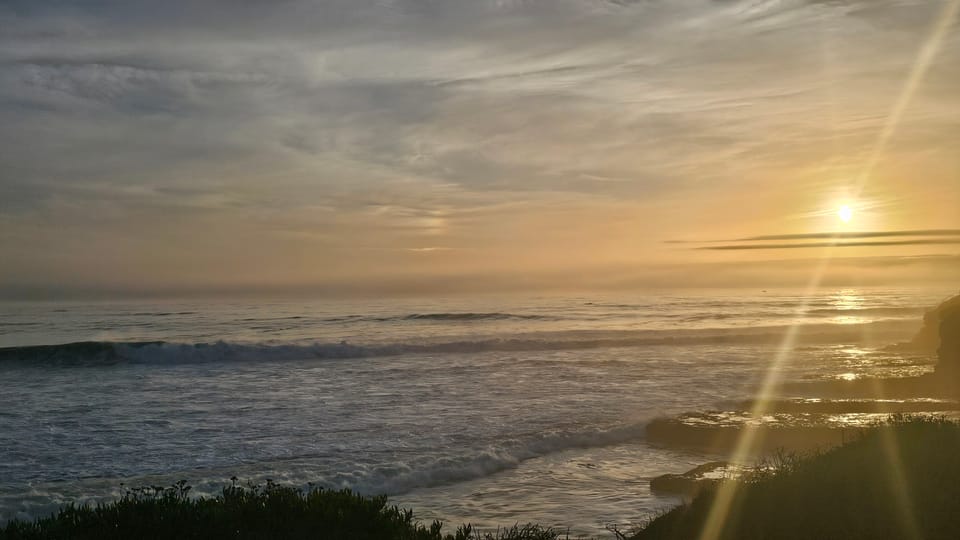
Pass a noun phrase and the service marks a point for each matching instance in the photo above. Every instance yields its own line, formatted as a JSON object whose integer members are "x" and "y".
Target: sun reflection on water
{"x": 847, "y": 299}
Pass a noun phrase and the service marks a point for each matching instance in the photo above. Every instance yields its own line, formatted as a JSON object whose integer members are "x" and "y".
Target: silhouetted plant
{"x": 246, "y": 512}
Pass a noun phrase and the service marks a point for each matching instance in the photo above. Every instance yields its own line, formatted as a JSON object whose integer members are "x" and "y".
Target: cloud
{"x": 918, "y": 237}
{"x": 846, "y": 235}
{"x": 285, "y": 124}
{"x": 839, "y": 235}
{"x": 748, "y": 247}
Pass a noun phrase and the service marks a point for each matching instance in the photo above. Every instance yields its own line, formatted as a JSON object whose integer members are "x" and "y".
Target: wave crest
{"x": 160, "y": 352}
{"x": 398, "y": 478}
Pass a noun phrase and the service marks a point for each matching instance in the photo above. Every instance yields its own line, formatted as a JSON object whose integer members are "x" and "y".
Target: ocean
{"x": 490, "y": 410}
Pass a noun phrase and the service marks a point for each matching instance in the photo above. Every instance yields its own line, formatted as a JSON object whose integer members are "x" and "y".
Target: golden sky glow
{"x": 388, "y": 147}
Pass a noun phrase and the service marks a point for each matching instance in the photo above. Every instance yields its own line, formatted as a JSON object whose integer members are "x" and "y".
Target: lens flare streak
{"x": 726, "y": 495}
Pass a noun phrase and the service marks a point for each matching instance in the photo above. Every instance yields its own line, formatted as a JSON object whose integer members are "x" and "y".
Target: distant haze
{"x": 354, "y": 147}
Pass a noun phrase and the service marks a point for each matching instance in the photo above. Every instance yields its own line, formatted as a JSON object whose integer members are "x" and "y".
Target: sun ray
{"x": 748, "y": 442}
{"x": 899, "y": 488}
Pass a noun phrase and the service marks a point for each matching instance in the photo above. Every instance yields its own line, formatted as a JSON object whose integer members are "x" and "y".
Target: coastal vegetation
{"x": 898, "y": 480}
{"x": 249, "y": 512}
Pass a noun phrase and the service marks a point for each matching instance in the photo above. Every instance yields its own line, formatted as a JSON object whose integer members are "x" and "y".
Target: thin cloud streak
{"x": 845, "y": 235}
{"x": 830, "y": 244}
{"x": 829, "y": 235}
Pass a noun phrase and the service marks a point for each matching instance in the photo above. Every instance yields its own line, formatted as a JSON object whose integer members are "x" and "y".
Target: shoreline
{"x": 783, "y": 498}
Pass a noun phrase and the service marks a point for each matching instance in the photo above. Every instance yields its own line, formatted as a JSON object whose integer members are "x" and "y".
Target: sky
{"x": 357, "y": 147}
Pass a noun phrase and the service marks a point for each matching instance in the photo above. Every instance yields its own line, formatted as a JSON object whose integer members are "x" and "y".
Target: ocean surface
{"x": 487, "y": 410}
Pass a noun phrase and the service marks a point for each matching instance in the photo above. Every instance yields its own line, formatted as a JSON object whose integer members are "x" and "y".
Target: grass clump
{"x": 267, "y": 511}
{"x": 898, "y": 480}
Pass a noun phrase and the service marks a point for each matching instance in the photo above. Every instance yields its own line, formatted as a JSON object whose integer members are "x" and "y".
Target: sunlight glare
{"x": 845, "y": 213}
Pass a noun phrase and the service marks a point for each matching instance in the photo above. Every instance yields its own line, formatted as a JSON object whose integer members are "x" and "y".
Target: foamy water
{"x": 485, "y": 410}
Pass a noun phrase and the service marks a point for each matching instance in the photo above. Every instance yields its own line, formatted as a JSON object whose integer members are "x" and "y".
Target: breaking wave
{"x": 388, "y": 478}
{"x": 402, "y": 477}
{"x": 428, "y": 317}
{"x": 162, "y": 352}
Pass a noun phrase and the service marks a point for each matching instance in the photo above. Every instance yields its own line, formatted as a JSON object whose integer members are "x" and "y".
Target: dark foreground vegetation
{"x": 898, "y": 481}
{"x": 249, "y": 512}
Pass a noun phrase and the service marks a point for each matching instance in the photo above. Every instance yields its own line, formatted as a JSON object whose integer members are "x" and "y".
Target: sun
{"x": 845, "y": 213}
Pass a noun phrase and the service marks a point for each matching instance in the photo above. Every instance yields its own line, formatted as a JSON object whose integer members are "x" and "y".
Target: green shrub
{"x": 248, "y": 512}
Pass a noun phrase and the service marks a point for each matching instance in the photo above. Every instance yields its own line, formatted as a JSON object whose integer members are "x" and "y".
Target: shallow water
{"x": 487, "y": 410}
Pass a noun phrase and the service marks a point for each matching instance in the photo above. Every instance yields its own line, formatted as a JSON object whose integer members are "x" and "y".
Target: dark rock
{"x": 948, "y": 353}
{"x": 718, "y": 432}
{"x": 928, "y": 338}
{"x": 847, "y": 404}
{"x": 692, "y": 482}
